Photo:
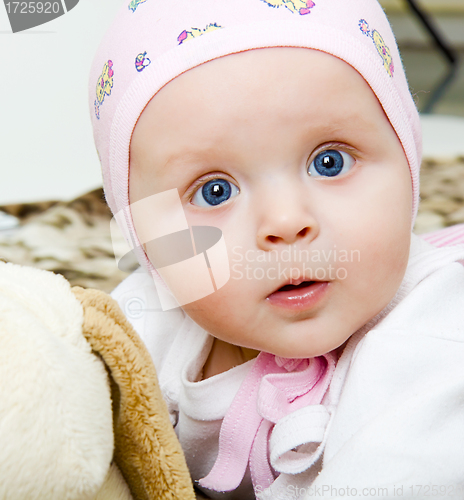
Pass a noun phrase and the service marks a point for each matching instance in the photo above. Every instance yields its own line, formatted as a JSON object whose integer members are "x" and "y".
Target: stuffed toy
{"x": 81, "y": 413}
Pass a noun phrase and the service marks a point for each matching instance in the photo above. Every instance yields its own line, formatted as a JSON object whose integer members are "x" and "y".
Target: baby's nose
{"x": 286, "y": 220}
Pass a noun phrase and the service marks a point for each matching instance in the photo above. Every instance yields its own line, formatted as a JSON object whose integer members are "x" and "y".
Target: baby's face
{"x": 290, "y": 154}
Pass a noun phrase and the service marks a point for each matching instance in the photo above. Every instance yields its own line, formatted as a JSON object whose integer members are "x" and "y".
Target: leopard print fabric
{"x": 68, "y": 238}
{"x": 73, "y": 238}
{"x": 441, "y": 195}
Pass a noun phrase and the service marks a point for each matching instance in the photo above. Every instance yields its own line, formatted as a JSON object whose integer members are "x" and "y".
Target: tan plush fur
{"x": 147, "y": 451}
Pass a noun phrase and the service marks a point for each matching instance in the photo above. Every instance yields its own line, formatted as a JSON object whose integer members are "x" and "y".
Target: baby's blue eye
{"x": 330, "y": 163}
{"x": 214, "y": 193}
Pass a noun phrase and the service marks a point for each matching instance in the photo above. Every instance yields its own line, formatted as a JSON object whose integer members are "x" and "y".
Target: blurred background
{"x": 426, "y": 65}
{"x": 436, "y": 79}
{"x": 52, "y": 212}
{"x": 47, "y": 149}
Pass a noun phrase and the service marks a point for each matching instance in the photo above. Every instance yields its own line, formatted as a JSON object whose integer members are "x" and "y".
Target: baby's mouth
{"x": 298, "y": 295}
{"x": 289, "y": 288}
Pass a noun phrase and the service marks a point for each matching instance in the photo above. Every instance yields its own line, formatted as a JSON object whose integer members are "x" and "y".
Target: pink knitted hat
{"x": 151, "y": 42}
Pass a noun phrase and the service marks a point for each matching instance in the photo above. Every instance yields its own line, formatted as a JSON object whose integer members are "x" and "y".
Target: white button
{"x": 135, "y": 308}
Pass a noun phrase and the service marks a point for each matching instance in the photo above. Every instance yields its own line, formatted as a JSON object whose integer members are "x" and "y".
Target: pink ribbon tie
{"x": 274, "y": 388}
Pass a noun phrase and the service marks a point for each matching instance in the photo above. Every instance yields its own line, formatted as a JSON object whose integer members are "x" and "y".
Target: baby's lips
{"x": 297, "y": 299}
{"x": 295, "y": 282}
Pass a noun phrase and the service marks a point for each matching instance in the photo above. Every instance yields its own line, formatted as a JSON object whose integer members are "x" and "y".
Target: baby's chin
{"x": 288, "y": 347}
{"x": 314, "y": 352}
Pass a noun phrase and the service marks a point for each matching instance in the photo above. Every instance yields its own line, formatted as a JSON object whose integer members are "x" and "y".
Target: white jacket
{"x": 392, "y": 422}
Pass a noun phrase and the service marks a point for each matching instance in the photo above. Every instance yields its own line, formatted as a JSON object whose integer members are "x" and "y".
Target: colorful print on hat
{"x": 194, "y": 32}
{"x": 179, "y": 36}
{"x": 104, "y": 86}
{"x": 379, "y": 42}
{"x": 302, "y": 7}
{"x": 142, "y": 61}
{"x": 134, "y": 4}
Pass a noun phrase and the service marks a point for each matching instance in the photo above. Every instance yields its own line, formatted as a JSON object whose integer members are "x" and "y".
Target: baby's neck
{"x": 224, "y": 356}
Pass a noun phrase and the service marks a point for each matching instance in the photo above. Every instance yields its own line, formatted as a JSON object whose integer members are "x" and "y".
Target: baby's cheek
{"x": 388, "y": 271}
{"x": 377, "y": 264}
{"x": 215, "y": 308}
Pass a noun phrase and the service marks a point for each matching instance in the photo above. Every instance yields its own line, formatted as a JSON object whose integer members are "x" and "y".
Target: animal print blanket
{"x": 73, "y": 238}
{"x": 68, "y": 238}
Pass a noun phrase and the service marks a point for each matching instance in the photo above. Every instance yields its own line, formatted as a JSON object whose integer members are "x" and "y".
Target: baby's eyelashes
{"x": 214, "y": 192}
{"x": 330, "y": 163}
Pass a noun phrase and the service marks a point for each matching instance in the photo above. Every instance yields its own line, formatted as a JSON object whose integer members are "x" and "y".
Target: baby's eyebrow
{"x": 179, "y": 159}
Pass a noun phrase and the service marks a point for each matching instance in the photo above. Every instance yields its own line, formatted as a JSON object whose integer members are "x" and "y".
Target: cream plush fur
{"x": 55, "y": 408}
{"x": 81, "y": 414}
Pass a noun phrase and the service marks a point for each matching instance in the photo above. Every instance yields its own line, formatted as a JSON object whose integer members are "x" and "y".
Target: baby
{"x": 261, "y": 158}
